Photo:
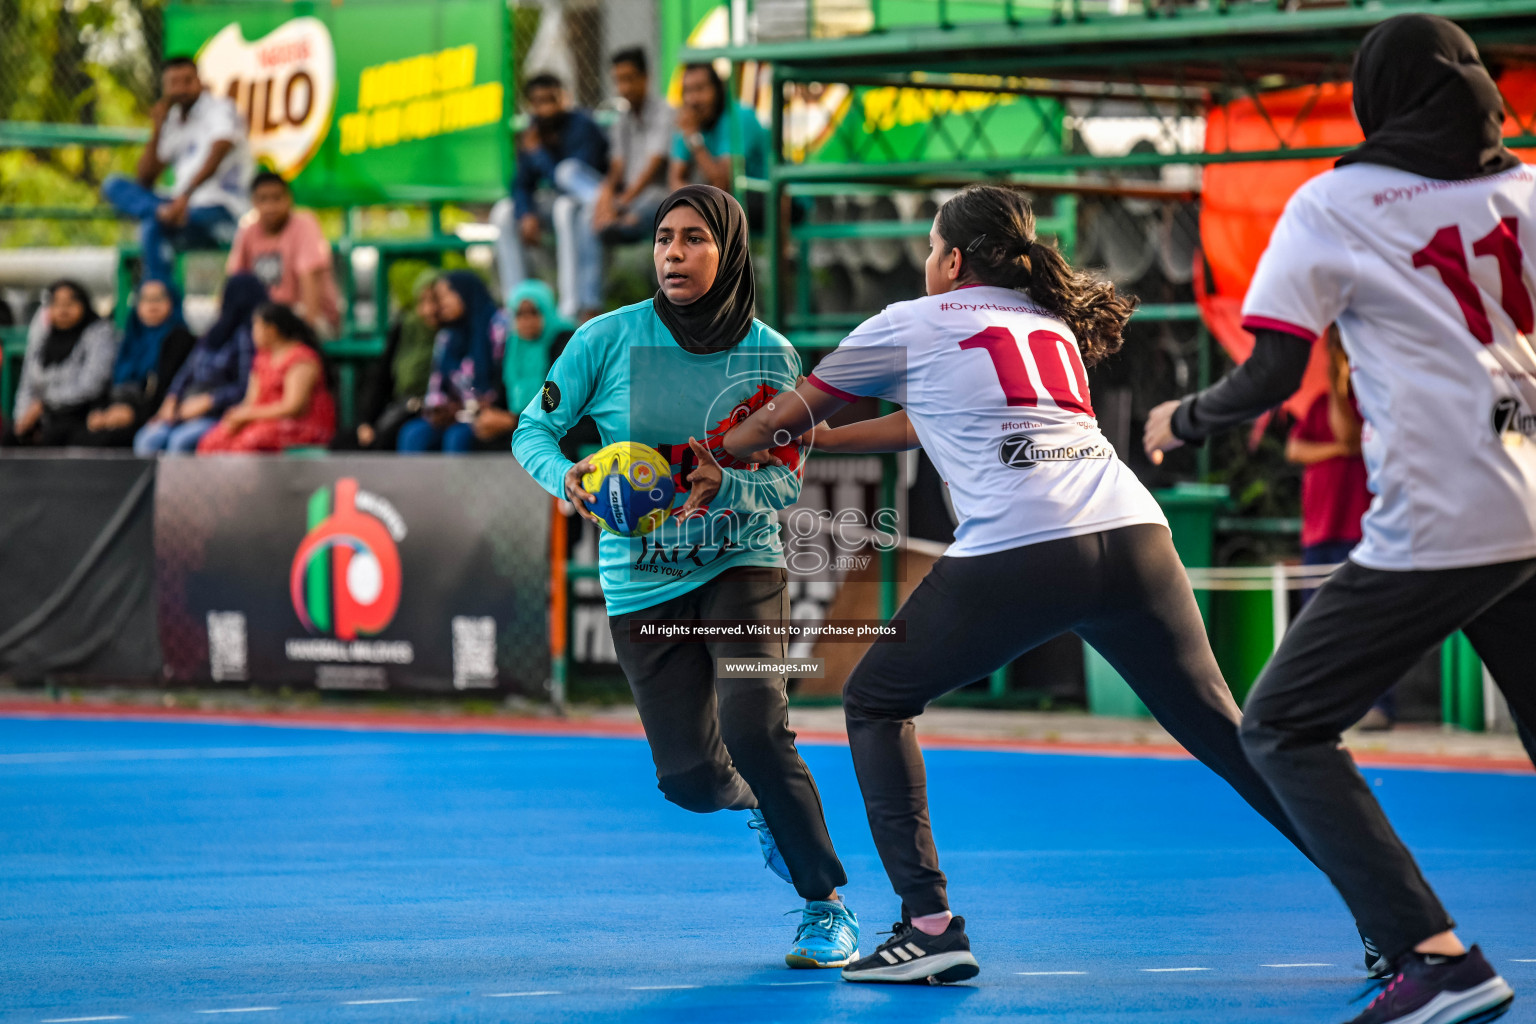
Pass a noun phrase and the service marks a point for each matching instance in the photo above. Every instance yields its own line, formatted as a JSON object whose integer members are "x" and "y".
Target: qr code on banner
{"x": 226, "y": 646}
{"x": 474, "y": 651}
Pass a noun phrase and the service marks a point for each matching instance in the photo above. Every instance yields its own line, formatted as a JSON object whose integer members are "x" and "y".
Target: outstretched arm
{"x": 782, "y": 420}
{"x": 1271, "y": 375}
{"x": 893, "y": 433}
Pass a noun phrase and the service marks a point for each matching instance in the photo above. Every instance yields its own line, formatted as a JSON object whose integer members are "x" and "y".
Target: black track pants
{"x": 1123, "y": 591}
{"x": 725, "y": 744}
{"x": 1354, "y": 639}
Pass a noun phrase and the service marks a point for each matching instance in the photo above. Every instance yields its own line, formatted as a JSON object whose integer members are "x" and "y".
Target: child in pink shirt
{"x": 286, "y": 403}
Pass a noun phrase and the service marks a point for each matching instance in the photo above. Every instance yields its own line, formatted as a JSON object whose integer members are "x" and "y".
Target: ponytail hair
{"x": 994, "y": 228}
{"x": 287, "y": 323}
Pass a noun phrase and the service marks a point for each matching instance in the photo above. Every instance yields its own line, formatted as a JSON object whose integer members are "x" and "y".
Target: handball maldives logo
{"x": 345, "y": 578}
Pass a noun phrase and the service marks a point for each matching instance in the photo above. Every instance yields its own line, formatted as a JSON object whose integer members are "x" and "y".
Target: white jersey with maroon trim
{"x": 996, "y": 390}
{"x": 1431, "y": 285}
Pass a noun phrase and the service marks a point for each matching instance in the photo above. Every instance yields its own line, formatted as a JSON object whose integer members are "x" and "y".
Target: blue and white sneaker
{"x": 772, "y": 858}
{"x": 828, "y": 936}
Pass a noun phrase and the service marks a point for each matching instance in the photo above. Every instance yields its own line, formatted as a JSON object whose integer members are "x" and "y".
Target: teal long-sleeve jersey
{"x": 625, "y": 370}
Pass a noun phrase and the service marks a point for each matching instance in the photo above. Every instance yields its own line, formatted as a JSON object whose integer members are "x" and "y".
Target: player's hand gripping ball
{"x": 633, "y": 487}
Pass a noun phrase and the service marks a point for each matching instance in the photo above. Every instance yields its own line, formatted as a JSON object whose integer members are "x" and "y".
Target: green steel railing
{"x": 13, "y": 345}
{"x": 11, "y": 211}
{"x": 836, "y": 19}
{"x": 47, "y": 135}
{"x": 916, "y": 28}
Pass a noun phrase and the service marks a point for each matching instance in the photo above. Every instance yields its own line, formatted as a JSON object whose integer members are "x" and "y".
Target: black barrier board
{"x": 76, "y": 568}
{"x": 356, "y": 572}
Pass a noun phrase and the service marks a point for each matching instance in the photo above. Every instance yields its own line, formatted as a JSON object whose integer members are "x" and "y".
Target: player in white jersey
{"x": 1056, "y": 534}
{"x": 1419, "y": 246}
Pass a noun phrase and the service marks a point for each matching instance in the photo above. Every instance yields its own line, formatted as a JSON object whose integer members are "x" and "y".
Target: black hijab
{"x": 1426, "y": 103}
{"x": 242, "y": 294}
{"x": 722, "y": 316}
{"x": 61, "y": 341}
{"x": 469, "y": 337}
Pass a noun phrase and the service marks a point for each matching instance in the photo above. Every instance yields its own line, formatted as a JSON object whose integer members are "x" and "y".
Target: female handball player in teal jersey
{"x": 668, "y": 373}
{"x": 1055, "y": 533}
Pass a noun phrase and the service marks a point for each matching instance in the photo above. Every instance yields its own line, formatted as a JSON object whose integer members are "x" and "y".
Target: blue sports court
{"x": 170, "y": 871}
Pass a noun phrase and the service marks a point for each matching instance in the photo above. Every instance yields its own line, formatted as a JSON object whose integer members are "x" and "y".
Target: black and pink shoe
{"x": 1430, "y": 989}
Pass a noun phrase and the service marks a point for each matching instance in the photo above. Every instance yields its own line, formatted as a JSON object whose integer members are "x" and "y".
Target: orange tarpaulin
{"x": 1241, "y": 203}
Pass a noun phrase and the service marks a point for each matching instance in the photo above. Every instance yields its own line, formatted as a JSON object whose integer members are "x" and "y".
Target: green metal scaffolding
{"x": 1159, "y": 58}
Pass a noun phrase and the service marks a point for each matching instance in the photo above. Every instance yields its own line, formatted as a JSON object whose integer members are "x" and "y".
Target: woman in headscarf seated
{"x": 398, "y": 382}
{"x": 287, "y": 404}
{"x": 212, "y": 379}
{"x": 538, "y": 335}
{"x": 65, "y": 372}
{"x": 466, "y": 383}
{"x": 154, "y": 346}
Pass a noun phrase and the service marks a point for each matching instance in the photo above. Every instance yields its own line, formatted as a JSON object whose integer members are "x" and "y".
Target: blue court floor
{"x": 188, "y": 872}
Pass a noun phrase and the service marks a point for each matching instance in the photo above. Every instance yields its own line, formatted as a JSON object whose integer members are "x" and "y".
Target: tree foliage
{"x": 74, "y": 62}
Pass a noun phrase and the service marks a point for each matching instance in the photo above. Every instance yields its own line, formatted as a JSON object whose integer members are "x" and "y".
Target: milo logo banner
{"x": 392, "y": 100}
{"x": 353, "y": 573}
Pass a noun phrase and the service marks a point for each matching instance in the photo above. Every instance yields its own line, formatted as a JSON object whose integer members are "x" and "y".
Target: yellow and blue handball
{"x": 633, "y": 487}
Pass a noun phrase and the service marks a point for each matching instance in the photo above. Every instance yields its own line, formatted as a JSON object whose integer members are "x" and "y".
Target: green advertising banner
{"x": 364, "y": 102}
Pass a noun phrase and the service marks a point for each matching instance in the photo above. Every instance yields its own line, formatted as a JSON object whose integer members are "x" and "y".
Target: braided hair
{"x": 995, "y": 230}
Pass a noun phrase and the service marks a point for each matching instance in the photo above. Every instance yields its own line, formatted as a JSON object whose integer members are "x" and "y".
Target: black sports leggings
{"x": 1353, "y": 640}
{"x": 1123, "y": 591}
{"x": 725, "y": 743}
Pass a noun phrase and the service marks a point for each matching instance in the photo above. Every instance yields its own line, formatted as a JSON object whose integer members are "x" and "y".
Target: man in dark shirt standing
{"x": 564, "y": 148}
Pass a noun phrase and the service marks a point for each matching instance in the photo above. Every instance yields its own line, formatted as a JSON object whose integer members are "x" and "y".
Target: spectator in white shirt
{"x": 636, "y": 182}
{"x": 201, "y": 137}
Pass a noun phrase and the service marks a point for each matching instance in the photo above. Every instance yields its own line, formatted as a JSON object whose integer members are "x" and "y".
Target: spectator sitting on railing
{"x": 397, "y": 383}
{"x": 154, "y": 346}
{"x": 213, "y": 378}
{"x": 286, "y": 404}
{"x": 465, "y": 388}
{"x": 202, "y": 138}
{"x": 565, "y": 148}
{"x": 637, "y": 170}
{"x": 286, "y": 249}
{"x": 66, "y": 370}
{"x": 708, "y": 126}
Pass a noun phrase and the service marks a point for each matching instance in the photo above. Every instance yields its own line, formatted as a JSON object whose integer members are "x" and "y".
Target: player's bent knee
{"x": 700, "y": 789}
{"x": 1250, "y": 729}
{"x": 863, "y": 701}
{"x": 753, "y": 747}
{"x": 1258, "y": 736}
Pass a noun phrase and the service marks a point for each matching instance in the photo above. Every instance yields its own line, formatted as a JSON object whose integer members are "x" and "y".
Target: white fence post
{"x": 1280, "y": 601}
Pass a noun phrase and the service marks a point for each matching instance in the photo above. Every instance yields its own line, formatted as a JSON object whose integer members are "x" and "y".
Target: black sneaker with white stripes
{"x": 910, "y": 955}
{"x": 1377, "y": 967}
